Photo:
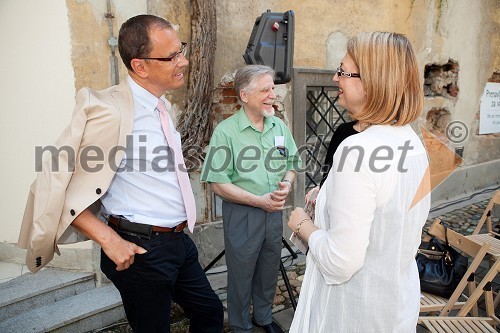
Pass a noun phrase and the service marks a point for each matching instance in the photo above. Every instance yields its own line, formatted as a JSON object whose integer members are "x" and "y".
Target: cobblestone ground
{"x": 462, "y": 220}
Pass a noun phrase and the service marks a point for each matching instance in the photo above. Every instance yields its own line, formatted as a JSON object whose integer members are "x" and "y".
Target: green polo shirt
{"x": 242, "y": 155}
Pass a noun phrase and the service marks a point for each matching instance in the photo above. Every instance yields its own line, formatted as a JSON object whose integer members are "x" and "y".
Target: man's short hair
{"x": 133, "y": 39}
{"x": 245, "y": 77}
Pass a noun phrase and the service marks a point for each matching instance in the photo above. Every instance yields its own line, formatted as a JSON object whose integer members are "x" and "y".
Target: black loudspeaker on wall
{"x": 271, "y": 44}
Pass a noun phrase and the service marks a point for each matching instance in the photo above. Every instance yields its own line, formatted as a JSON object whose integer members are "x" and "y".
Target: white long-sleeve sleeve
{"x": 339, "y": 247}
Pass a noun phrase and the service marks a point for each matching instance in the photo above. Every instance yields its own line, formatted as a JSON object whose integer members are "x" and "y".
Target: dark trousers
{"x": 252, "y": 239}
{"x": 170, "y": 270}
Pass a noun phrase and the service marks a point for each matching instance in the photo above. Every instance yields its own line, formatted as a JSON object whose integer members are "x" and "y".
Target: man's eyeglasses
{"x": 341, "y": 72}
{"x": 174, "y": 60}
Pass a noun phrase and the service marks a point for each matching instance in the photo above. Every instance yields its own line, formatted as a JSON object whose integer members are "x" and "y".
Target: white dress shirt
{"x": 144, "y": 190}
{"x": 361, "y": 274}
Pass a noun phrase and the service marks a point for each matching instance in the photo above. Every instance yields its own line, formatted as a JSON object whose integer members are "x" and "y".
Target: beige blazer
{"x": 101, "y": 120}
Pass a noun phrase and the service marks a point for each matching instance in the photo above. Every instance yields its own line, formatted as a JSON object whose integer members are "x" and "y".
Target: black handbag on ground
{"x": 440, "y": 267}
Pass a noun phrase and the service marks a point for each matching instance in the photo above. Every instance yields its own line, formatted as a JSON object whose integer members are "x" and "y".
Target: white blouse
{"x": 361, "y": 274}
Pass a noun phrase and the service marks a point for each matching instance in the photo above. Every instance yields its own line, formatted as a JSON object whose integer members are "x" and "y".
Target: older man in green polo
{"x": 250, "y": 164}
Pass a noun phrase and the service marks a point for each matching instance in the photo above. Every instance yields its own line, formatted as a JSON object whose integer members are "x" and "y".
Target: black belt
{"x": 139, "y": 229}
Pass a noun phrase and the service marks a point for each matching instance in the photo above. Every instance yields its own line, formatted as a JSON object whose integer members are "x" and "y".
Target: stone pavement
{"x": 463, "y": 220}
{"x": 462, "y": 217}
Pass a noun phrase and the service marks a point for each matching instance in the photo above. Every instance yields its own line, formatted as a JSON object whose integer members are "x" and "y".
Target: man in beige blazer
{"x": 144, "y": 251}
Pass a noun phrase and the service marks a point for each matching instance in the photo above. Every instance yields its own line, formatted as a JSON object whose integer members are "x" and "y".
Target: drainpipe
{"x": 113, "y": 43}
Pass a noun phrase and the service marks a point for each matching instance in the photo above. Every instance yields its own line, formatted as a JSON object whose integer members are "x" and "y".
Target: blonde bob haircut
{"x": 390, "y": 77}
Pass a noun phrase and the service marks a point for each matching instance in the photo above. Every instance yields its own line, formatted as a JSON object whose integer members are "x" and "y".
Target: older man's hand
{"x": 267, "y": 203}
{"x": 283, "y": 192}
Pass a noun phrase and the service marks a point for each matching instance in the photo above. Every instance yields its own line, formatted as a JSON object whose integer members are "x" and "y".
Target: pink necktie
{"x": 182, "y": 175}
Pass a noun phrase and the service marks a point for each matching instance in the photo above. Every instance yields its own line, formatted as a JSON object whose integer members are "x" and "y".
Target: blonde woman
{"x": 361, "y": 274}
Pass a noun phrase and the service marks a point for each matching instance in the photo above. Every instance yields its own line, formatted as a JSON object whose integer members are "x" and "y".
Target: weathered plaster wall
{"x": 315, "y": 23}
{"x": 466, "y": 34}
{"x": 89, "y": 38}
{"x": 485, "y": 65}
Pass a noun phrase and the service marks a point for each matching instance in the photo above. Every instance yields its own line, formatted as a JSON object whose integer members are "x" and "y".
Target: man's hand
{"x": 267, "y": 203}
{"x": 121, "y": 252}
{"x": 116, "y": 248}
{"x": 282, "y": 193}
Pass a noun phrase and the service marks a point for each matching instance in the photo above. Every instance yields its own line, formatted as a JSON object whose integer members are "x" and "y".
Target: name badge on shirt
{"x": 279, "y": 143}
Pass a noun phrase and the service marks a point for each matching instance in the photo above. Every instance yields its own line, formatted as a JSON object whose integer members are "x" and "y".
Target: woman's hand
{"x": 301, "y": 224}
{"x": 297, "y": 216}
{"x": 308, "y": 195}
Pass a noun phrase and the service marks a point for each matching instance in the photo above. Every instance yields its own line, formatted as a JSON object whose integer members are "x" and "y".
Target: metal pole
{"x": 112, "y": 42}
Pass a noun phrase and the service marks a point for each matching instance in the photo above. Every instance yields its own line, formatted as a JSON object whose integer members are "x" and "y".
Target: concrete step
{"x": 84, "y": 312}
{"x": 30, "y": 291}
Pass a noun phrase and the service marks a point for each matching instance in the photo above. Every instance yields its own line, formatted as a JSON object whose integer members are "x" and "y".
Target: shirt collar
{"x": 244, "y": 122}
{"x": 144, "y": 97}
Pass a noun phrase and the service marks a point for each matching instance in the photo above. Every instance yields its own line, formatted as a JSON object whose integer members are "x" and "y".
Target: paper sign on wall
{"x": 489, "y": 110}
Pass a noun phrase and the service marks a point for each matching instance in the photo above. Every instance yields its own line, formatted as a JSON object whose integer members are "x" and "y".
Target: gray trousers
{"x": 252, "y": 240}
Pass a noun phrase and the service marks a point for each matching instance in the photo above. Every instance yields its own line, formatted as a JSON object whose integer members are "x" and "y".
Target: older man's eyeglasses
{"x": 341, "y": 72}
{"x": 174, "y": 59}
